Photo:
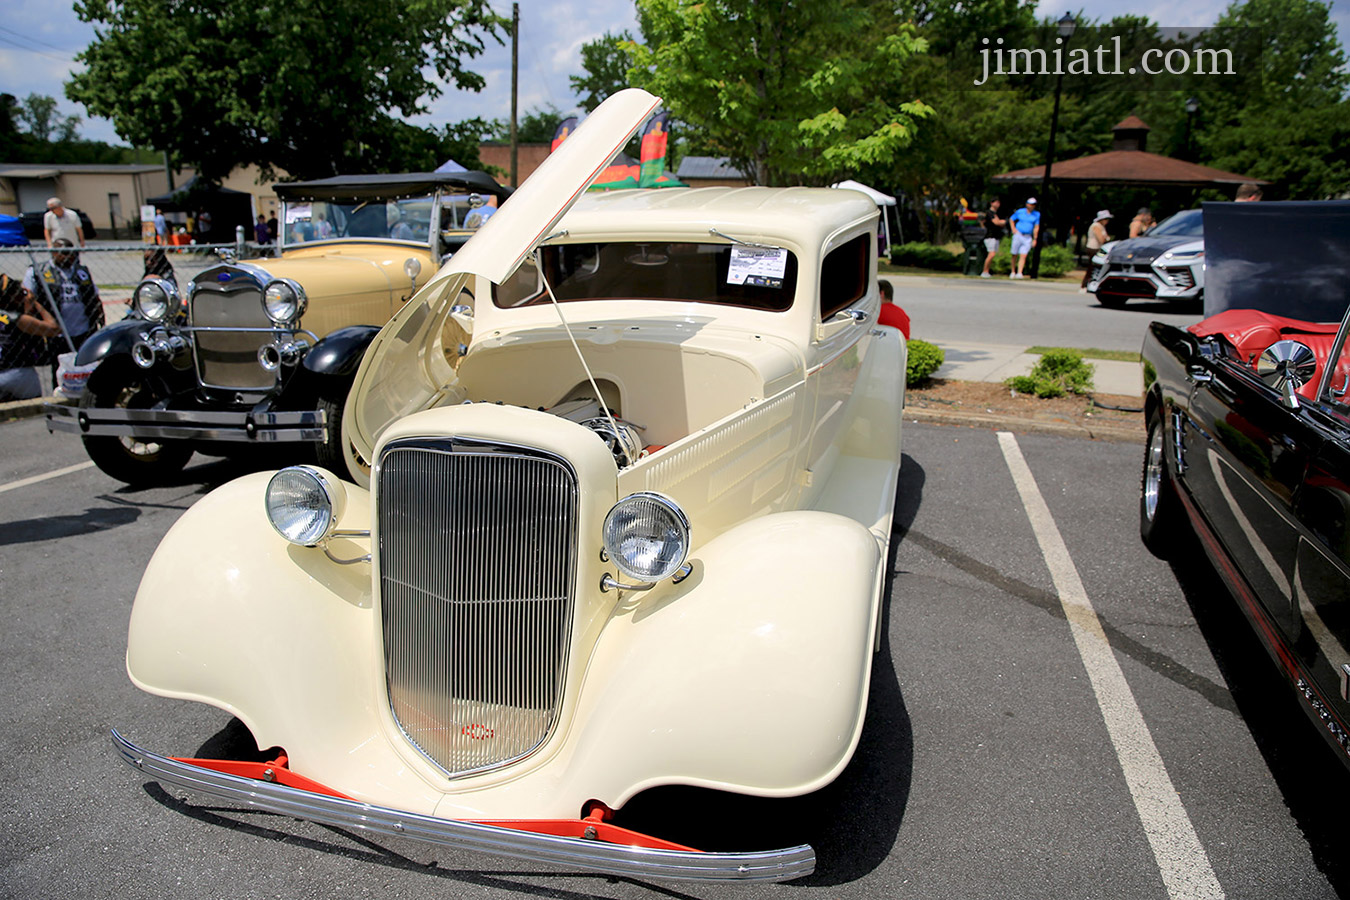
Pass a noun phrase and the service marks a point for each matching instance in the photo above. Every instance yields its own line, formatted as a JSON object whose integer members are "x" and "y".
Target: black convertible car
{"x": 1249, "y": 437}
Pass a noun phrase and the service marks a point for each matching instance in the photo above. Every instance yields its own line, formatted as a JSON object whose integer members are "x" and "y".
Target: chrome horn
{"x": 158, "y": 345}
{"x": 281, "y": 353}
{"x": 1287, "y": 366}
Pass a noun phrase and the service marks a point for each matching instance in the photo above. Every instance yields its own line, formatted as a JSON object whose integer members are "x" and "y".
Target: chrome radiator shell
{"x": 229, "y": 359}
{"x": 477, "y": 549}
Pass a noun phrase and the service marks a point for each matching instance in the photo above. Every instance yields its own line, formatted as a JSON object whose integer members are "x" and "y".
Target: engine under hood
{"x": 403, "y": 372}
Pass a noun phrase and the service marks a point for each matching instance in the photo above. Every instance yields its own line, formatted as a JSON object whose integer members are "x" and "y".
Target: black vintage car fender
{"x": 340, "y": 352}
{"x": 117, "y": 338}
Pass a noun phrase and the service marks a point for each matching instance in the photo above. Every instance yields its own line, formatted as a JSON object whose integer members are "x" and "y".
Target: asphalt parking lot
{"x": 1012, "y": 748}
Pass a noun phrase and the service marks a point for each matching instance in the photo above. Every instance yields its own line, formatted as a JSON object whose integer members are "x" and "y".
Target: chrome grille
{"x": 230, "y": 359}
{"x": 477, "y": 559}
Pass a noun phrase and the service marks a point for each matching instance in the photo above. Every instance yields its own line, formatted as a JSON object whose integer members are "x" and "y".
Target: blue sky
{"x": 38, "y": 42}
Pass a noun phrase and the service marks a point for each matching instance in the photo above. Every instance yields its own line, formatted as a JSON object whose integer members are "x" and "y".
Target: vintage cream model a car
{"x": 634, "y": 535}
{"x": 263, "y": 351}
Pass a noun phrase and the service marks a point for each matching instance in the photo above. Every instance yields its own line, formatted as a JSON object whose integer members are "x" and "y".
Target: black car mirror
{"x": 1286, "y": 366}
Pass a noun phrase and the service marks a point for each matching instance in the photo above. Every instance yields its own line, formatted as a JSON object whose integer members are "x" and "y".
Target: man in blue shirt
{"x": 1026, "y": 225}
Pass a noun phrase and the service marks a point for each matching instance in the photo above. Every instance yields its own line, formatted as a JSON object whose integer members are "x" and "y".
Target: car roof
{"x": 389, "y": 186}
{"x": 803, "y": 214}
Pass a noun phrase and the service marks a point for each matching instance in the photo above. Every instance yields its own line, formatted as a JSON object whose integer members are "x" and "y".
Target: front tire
{"x": 136, "y": 462}
{"x": 1160, "y": 514}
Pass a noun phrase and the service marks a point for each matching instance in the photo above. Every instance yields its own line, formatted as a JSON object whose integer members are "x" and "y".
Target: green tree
{"x": 310, "y": 86}
{"x": 606, "y": 61}
{"x": 535, "y": 127}
{"x": 792, "y": 91}
{"x": 37, "y": 114}
{"x": 1289, "y": 120}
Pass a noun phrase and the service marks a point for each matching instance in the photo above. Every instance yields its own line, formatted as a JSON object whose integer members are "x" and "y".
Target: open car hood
{"x": 411, "y": 364}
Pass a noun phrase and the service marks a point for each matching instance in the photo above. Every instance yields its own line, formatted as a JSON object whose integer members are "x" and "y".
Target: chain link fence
{"x": 114, "y": 271}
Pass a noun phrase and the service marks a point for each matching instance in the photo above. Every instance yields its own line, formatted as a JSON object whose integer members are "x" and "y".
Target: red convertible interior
{"x": 1251, "y": 331}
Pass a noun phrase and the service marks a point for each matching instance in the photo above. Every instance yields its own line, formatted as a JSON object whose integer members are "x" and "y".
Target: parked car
{"x": 634, "y": 535}
{"x": 264, "y": 350}
{"x": 1167, "y": 263}
{"x": 1249, "y": 445}
{"x": 33, "y": 228}
{"x": 11, "y": 232}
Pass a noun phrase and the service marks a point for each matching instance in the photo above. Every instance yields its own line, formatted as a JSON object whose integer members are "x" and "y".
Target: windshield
{"x": 400, "y": 220}
{"x": 657, "y": 270}
{"x": 1189, "y": 223}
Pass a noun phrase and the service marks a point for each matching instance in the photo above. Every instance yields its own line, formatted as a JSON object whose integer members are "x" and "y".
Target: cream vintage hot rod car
{"x": 649, "y": 503}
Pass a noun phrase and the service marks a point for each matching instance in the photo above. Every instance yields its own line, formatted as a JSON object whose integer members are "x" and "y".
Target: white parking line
{"x": 1182, "y": 861}
{"x": 57, "y": 473}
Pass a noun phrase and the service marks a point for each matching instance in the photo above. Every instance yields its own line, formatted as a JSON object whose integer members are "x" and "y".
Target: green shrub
{"x": 923, "y": 360}
{"x": 925, "y": 256}
{"x": 1058, "y": 372}
{"x": 1055, "y": 260}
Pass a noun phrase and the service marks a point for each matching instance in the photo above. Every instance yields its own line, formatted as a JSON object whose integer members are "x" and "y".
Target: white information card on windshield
{"x": 759, "y": 266}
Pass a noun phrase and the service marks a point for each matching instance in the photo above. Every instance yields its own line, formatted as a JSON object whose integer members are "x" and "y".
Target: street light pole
{"x": 1192, "y": 107}
{"x": 1066, "y": 27}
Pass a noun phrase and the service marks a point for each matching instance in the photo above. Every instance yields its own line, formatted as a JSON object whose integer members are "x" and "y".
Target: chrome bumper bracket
{"x": 572, "y": 853}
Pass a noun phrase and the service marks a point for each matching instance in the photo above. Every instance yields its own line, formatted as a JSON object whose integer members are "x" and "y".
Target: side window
{"x": 843, "y": 275}
{"x": 1337, "y": 396}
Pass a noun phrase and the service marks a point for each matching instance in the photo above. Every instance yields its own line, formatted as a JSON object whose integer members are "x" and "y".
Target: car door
{"x": 1322, "y": 575}
{"x": 848, "y": 305}
{"x": 1245, "y": 456}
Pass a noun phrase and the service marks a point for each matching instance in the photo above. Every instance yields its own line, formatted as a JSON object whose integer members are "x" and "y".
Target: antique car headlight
{"x": 284, "y": 301}
{"x": 304, "y": 504}
{"x": 155, "y": 300}
{"x": 647, "y": 536}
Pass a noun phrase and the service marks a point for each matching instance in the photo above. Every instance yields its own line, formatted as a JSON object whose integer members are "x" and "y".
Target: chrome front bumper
{"x": 198, "y": 425}
{"x": 571, "y": 853}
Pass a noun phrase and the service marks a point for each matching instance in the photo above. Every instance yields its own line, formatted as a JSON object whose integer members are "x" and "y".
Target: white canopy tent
{"x": 881, "y": 200}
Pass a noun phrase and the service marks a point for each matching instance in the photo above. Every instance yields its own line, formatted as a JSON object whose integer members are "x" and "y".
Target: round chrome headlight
{"x": 284, "y": 301}
{"x": 155, "y": 300}
{"x": 304, "y": 504}
{"x": 647, "y": 536}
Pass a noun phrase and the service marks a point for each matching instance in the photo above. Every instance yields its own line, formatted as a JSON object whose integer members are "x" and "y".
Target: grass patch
{"x": 1091, "y": 353}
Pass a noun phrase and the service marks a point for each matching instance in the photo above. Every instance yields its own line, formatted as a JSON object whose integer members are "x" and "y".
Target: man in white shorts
{"x": 1026, "y": 226}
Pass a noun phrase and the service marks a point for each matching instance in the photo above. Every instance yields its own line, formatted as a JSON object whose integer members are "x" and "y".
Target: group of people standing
{"x": 197, "y": 226}
{"x": 1025, "y": 224}
{"x": 54, "y": 309}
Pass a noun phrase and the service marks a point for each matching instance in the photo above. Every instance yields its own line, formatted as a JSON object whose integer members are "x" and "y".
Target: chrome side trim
{"x": 201, "y": 425}
{"x": 573, "y": 853}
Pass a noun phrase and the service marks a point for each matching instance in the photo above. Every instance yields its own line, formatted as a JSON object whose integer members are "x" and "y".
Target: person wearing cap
{"x": 61, "y": 223}
{"x": 1026, "y": 225}
{"x": 1097, "y": 237}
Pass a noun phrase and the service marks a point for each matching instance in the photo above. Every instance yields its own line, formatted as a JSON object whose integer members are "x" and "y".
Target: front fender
{"x": 231, "y": 615}
{"x": 751, "y": 675}
{"x": 115, "y": 339}
{"x": 340, "y": 352}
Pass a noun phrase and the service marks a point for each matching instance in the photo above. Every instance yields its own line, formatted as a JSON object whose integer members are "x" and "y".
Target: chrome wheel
{"x": 1153, "y": 472}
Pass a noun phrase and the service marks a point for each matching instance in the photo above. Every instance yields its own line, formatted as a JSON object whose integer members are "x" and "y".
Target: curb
{"x": 27, "y": 409}
{"x": 1116, "y": 432}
